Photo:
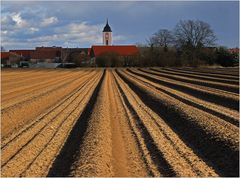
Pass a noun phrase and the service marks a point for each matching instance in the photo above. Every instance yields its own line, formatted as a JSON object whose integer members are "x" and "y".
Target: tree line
{"x": 190, "y": 43}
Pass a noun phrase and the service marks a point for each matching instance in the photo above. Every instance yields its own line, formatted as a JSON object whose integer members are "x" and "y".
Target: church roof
{"x": 107, "y": 28}
{"x": 23, "y": 52}
{"x": 121, "y": 50}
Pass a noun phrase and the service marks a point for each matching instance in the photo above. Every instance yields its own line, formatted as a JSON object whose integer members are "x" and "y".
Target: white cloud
{"x": 5, "y": 20}
{"x": 4, "y": 32}
{"x": 81, "y": 32}
{"x": 74, "y": 34}
{"x": 18, "y": 20}
{"x": 33, "y": 30}
{"x": 49, "y": 21}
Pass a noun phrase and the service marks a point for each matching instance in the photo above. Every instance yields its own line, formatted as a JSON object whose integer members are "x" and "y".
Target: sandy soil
{"x": 120, "y": 122}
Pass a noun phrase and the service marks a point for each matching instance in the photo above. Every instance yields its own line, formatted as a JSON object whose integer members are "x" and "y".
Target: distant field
{"x": 120, "y": 122}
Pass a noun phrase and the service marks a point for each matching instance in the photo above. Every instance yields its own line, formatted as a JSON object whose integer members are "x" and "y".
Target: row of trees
{"x": 187, "y": 33}
{"x": 190, "y": 43}
{"x": 111, "y": 59}
{"x": 173, "y": 57}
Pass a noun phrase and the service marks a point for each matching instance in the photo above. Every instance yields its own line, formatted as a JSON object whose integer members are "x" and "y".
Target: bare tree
{"x": 151, "y": 41}
{"x": 194, "y": 33}
{"x": 162, "y": 38}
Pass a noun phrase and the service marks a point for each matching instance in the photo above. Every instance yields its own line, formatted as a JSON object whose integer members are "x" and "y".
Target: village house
{"x": 5, "y": 59}
{"x": 25, "y": 54}
{"x": 10, "y": 59}
{"x": 78, "y": 56}
{"x": 46, "y": 54}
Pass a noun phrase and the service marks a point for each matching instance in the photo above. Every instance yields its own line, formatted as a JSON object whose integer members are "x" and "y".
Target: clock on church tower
{"x": 107, "y": 35}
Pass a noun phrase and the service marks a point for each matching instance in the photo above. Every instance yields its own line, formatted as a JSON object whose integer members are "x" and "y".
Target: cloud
{"x": 74, "y": 33}
{"x": 49, "y": 21}
{"x": 19, "y": 21}
{"x": 33, "y": 30}
{"x": 27, "y": 25}
{"x": 82, "y": 32}
{"x": 7, "y": 20}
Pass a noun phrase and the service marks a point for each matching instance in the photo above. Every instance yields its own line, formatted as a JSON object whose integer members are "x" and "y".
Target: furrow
{"x": 196, "y": 76}
{"x": 25, "y": 93}
{"x": 13, "y": 73}
{"x": 215, "y": 96}
{"x": 223, "y": 113}
{"x": 42, "y": 92}
{"x": 36, "y": 145}
{"x": 146, "y": 148}
{"x": 215, "y": 141}
{"x": 127, "y": 155}
{"x": 103, "y": 151}
{"x": 32, "y": 81}
{"x": 210, "y": 84}
{"x": 35, "y": 106}
{"x": 96, "y": 150}
{"x": 219, "y": 75}
{"x": 45, "y": 158}
{"x": 179, "y": 157}
{"x": 224, "y": 71}
{"x": 23, "y": 78}
{"x": 11, "y": 84}
{"x": 43, "y": 119}
{"x": 70, "y": 150}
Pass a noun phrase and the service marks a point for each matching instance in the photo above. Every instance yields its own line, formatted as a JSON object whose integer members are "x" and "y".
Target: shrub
{"x": 109, "y": 59}
{"x": 225, "y": 58}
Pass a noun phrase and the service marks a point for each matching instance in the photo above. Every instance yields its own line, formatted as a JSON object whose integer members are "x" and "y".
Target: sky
{"x": 28, "y": 24}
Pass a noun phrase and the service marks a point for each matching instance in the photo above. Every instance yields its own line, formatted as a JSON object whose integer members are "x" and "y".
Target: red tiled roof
{"x": 41, "y": 54}
{"x": 25, "y": 53}
{"x": 4, "y": 55}
{"x": 123, "y": 50}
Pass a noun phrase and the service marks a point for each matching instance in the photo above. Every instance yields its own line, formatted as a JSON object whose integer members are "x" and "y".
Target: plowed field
{"x": 120, "y": 122}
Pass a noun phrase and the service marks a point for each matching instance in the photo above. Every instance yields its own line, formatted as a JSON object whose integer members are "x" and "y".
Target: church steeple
{"x": 107, "y": 28}
{"x": 107, "y": 35}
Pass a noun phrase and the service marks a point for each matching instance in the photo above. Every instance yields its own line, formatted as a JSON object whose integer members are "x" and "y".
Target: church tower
{"x": 107, "y": 35}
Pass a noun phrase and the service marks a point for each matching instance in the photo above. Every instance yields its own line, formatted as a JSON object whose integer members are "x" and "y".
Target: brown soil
{"x": 120, "y": 122}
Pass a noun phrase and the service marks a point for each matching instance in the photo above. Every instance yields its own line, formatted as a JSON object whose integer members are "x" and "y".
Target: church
{"x": 121, "y": 50}
{"x": 126, "y": 53}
